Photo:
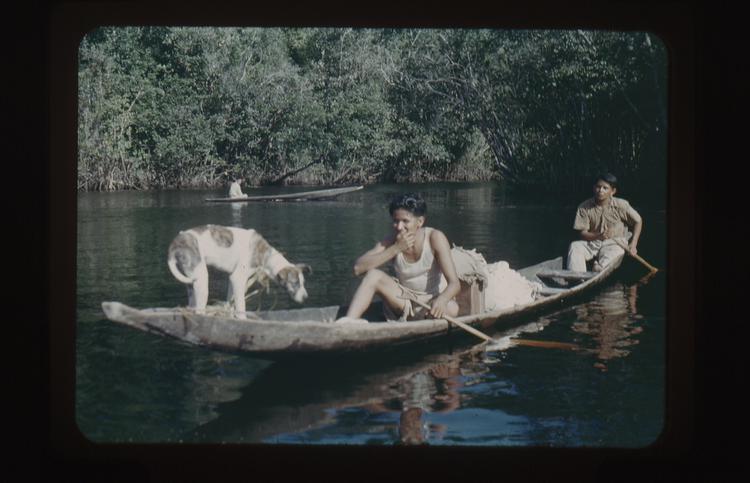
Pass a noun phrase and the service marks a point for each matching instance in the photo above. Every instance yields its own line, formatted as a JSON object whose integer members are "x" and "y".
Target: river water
{"x": 142, "y": 388}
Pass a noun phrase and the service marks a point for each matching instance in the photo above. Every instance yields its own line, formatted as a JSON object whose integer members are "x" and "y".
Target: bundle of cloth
{"x": 503, "y": 286}
{"x": 507, "y": 288}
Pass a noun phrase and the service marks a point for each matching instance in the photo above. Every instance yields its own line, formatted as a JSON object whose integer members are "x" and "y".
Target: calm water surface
{"x": 138, "y": 387}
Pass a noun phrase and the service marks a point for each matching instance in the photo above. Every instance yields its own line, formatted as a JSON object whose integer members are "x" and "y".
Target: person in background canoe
{"x": 421, "y": 258}
{"x": 235, "y": 190}
{"x": 603, "y": 221}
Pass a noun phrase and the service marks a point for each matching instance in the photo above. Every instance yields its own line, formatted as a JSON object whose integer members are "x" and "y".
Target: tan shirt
{"x": 617, "y": 215}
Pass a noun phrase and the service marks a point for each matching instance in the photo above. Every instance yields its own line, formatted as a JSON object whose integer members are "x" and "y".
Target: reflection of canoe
{"x": 300, "y": 196}
{"x": 281, "y": 333}
{"x": 268, "y": 408}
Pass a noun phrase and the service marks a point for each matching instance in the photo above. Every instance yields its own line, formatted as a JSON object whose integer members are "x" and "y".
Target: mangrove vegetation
{"x": 173, "y": 107}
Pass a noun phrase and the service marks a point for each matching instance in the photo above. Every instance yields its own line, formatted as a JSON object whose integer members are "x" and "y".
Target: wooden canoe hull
{"x": 284, "y": 333}
{"x": 300, "y": 196}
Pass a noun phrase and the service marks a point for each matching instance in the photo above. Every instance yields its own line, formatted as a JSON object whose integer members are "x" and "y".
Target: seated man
{"x": 603, "y": 221}
{"x": 235, "y": 190}
{"x": 420, "y": 257}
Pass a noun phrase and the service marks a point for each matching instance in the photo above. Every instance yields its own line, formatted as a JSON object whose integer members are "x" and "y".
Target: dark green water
{"x": 138, "y": 387}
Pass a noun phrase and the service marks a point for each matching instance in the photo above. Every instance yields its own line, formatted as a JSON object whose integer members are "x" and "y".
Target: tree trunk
{"x": 288, "y": 174}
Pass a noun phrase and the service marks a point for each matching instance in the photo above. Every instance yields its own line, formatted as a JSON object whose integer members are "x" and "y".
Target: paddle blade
{"x": 546, "y": 344}
{"x": 504, "y": 343}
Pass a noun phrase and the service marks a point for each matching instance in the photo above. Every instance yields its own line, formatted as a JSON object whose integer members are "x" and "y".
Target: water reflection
{"x": 292, "y": 398}
{"x": 611, "y": 321}
{"x": 435, "y": 389}
{"x": 215, "y": 379}
{"x": 290, "y": 401}
{"x": 237, "y": 214}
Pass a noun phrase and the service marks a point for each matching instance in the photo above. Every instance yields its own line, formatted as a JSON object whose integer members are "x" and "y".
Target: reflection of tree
{"x": 610, "y": 320}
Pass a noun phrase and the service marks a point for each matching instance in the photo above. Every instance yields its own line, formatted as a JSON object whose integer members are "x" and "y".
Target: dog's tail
{"x": 172, "y": 263}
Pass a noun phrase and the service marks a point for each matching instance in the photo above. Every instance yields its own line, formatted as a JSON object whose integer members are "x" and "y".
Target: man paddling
{"x": 603, "y": 223}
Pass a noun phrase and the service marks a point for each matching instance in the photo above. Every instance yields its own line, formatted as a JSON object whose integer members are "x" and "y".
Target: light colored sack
{"x": 507, "y": 288}
{"x": 503, "y": 287}
{"x": 470, "y": 265}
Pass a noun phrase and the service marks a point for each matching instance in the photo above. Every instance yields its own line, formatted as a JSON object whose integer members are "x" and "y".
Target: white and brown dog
{"x": 236, "y": 251}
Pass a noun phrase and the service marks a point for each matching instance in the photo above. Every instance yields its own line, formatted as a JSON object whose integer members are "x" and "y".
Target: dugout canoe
{"x": 312, "y": 331}
{"x": 317, "y": 195}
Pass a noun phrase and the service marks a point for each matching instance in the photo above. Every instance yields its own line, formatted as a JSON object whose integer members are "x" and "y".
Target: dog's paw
{"x": 350, "y": 320}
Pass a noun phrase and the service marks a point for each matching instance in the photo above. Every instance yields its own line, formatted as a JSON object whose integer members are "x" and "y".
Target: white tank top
{"x": 424, "y": 274}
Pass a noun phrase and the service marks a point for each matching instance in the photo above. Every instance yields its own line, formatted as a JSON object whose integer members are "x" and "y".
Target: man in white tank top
{"x": 421, "y": 260}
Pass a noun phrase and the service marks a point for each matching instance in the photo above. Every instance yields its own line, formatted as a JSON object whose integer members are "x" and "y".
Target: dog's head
{"x": 292, "y": 279}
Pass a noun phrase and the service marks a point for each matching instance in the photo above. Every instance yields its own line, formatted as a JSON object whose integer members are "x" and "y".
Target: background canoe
{"x": 301, "y": 196}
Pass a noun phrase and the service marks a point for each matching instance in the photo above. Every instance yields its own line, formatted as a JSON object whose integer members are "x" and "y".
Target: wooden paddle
{"x": 636, "y": 256}
{"x": 481, "y": 335}
{"x": 450, "y": 319}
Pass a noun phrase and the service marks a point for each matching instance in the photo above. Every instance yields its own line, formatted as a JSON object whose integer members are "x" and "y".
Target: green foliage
{"x": 180, "y": 107}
